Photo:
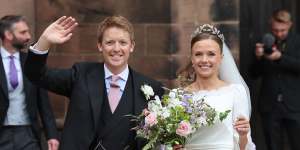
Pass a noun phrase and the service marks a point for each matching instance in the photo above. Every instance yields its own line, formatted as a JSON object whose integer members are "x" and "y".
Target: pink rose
{"x": 151, "y": 119}
{"x": 184, "y": 129}
{"x": 146, "y": 112}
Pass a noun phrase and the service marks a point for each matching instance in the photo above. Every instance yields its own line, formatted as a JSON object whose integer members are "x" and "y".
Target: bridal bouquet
{"x": 175, "y": 117}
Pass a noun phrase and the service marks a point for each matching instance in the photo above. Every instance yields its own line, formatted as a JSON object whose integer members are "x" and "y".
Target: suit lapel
{"x": 26, "y": 82}
{"x": 3, "y": 81}
{"x": 95, "y": 83}
{"x": 139, "y": 100}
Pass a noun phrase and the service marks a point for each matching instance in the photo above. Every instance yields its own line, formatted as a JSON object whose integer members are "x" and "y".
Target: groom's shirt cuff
{"x": 36, "y": 51}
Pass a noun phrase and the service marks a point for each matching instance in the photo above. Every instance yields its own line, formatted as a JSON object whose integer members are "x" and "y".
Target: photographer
{"x": 279, "y": 67}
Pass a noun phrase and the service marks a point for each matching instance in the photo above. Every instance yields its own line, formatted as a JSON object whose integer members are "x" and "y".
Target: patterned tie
{"x": 13, "y": 74}
{"x": 114, "y": 94}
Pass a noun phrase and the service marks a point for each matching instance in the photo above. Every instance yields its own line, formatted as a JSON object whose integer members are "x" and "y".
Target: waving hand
{"x": 58, "y": 32}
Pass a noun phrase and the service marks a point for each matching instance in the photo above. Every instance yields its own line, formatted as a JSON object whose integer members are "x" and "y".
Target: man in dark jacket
{"x": 21, "y": 101}
{"x": 101, "y": 93}
{"x": 279, "y": 102}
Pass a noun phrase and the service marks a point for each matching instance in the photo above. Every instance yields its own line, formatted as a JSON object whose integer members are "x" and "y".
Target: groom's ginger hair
{"x": 115, "y": 21}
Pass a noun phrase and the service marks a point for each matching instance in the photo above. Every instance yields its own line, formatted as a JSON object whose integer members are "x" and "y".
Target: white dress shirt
{"x": 121, "y": 82}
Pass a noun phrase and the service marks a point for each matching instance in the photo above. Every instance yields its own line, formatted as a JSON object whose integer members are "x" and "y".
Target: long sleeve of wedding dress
{"x": 240, "y": 108}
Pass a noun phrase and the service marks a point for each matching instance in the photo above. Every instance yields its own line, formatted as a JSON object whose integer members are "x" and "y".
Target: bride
{"x": 213, "y": 74}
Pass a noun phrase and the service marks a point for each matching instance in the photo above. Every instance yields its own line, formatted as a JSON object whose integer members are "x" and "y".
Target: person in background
{"x": 279, "y": 101}
{"x": 20, "y": 100}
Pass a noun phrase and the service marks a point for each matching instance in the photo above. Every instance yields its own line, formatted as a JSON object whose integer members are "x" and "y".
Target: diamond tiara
{"x": 210, "y": 29}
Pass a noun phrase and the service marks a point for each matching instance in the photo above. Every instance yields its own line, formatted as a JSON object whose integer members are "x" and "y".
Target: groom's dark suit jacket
{"x": 88, "y": 117}
{"x": 36, "y": 100}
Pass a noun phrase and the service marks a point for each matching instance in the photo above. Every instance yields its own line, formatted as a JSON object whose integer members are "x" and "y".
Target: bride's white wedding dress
{"x": 222, "y": 135}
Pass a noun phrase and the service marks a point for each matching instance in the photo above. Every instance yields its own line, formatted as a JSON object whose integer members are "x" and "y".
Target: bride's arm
{"x": 243, "y": 142}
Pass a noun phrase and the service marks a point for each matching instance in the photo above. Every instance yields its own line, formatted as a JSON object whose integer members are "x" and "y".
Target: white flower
{"x": 202, "y": 121}
{"x": 165, "y": 113}
{"x": 147, "y": 90}
{"x": 154, "y": 106}
{"x": 174, "y": 102}
{"x": 157, "y": 98}
{"x": 172, "y": 94}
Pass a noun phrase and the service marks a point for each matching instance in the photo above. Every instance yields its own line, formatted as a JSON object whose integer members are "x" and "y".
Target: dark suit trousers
{"x": 18, "y": 138}
{"x": 277, "y": 121}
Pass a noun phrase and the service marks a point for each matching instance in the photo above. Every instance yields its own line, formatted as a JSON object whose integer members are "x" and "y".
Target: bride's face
{"x": 206, "y": 58}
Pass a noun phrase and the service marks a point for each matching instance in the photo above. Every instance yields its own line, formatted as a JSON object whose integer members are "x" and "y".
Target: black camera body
{"x": 268, "y": 50}
{"x": 268, "y": 41}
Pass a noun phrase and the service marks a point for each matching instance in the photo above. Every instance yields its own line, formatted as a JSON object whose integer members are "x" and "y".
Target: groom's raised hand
{"x": 58, "y": 32}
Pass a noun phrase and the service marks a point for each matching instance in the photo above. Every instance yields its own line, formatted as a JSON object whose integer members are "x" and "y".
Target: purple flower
{"x": 186, "y": 97}
{"x": 189, "y": 110}
{"x": 184, "y": 103}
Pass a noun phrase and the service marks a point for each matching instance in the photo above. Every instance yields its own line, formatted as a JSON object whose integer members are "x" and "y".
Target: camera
{"x": 268, "y": 41}
{"x": 268, "y": 50}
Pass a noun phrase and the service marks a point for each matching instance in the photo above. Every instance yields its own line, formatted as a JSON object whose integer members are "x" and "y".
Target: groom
{"x": 100, "y": 94}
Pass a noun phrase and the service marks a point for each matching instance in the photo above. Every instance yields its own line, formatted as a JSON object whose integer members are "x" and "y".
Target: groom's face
{"x": 116, "y": 46}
